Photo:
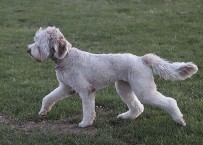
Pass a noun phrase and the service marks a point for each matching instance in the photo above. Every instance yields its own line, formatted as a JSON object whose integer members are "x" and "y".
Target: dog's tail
{"x": 170, "y": 70}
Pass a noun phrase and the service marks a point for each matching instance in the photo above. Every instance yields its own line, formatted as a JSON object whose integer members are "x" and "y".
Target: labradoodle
{"x": 84, "y": 73}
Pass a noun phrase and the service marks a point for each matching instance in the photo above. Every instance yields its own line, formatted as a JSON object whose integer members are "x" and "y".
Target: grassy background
{"x": 169, "y": 28}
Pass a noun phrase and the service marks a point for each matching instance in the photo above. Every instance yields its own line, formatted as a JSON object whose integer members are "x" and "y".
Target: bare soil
{"x": 58, "y": 127}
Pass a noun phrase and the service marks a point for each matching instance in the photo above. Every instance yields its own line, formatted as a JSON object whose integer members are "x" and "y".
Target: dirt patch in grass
{"x": 3, "y": 119}
{"x": 58, "y": 127}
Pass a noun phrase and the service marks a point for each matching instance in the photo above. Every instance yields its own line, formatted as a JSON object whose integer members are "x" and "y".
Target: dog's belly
{"x": 101, "y": 85}
{"x": 102, "y": 81}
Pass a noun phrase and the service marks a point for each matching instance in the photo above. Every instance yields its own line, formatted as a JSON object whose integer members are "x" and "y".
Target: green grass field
{"x": 172, "y": 29}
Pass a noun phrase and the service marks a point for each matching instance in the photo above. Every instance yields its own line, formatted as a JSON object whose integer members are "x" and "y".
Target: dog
{"x": 84, "y": 73}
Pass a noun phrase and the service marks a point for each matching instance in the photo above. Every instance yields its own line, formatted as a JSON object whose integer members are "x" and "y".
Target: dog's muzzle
{"x": 29, "y": 51}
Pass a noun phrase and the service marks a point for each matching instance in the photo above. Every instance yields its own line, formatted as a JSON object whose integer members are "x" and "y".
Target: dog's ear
{"x": 58, "y": 42}
{"x": 61, "y": 47}
{"x": 40, "y": 29}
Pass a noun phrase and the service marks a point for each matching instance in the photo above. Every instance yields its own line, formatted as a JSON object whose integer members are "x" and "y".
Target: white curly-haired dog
{"x": 84, "y": 73}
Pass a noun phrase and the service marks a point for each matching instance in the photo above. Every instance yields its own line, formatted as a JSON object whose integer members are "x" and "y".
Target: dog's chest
{"x": 62, "y": 75}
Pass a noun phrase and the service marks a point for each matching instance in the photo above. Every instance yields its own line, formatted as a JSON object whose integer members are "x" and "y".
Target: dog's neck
{"x": 59, "y": 63}
{"x": 59, "y": 67}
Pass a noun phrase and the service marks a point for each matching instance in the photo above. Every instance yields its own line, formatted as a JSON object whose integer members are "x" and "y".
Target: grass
{"x": 171, "y": 29}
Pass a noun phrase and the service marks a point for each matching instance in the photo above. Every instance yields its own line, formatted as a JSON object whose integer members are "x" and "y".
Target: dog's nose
{"x": 29, "y": 50}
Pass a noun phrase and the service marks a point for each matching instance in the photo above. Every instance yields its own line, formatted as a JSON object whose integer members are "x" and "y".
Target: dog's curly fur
{"x": 84, "y": 73}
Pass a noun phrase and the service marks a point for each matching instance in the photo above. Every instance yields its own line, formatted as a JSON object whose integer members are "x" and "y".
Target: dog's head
{"x": 49, "y": 43}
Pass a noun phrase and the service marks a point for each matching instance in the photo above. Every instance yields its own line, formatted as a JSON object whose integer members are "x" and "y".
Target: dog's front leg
{"x": 88, "y": 104}
{"x": 58, "y": 94}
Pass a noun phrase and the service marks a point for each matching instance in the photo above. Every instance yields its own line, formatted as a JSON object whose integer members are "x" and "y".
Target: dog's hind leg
{"x": 168, "y": 104}
{"x": 147, "y": 94}
{"x": 58, "y": 94}
{"x": 128, "y": 96}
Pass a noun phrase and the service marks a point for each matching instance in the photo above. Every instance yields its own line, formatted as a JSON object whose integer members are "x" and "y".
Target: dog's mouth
{"x": 36, "y": 59}
{"x": 30, "y": 53}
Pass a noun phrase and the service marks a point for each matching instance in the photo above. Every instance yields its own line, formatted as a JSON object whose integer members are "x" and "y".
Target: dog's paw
{"x": 130, "y": 115}
{"x": 84, "y": 124}
{"x": 42, "y": 113}
{"x": 180, "y": 121}
{"x": 127, "y": 115}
